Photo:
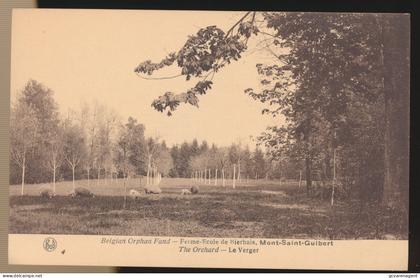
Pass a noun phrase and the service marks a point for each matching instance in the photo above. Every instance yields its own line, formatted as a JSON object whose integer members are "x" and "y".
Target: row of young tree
{"x": 234, "y": 162}
{"x": 93, "y": 144}
{"x": 339, "y": 81}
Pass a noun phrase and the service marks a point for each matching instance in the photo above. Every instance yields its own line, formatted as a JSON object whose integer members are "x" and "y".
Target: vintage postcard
{"x": 209, "y": 139}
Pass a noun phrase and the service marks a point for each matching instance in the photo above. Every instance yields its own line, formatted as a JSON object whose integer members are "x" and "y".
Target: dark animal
{"x": 46, "y": 193}
{"x": 194, "y": 189}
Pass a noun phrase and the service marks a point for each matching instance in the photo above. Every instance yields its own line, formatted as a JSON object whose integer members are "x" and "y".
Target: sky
{"x": 90, "y": 55}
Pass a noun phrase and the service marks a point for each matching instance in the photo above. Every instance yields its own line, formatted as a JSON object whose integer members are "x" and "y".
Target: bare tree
{"x": 222, "y": 161}
{"x": 74, "y": 148}
{"x": 24, "y": 128}
{"x": 122, "y": 155}
{"x": 106, "y": 126}
{"x": 56, "y": 152}
{"x": 152, "y": 147}
{"x": 163, "y": 161}
{"x": 88, "y": 123}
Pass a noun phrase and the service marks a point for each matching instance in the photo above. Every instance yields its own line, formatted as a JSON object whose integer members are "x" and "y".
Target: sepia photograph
{"x": 275, "y": 125}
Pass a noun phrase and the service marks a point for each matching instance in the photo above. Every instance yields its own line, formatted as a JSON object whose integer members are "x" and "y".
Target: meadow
{"x": 262, "y": 208}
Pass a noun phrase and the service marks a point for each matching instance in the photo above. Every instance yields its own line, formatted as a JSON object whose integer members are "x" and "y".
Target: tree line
{"x": 93, "y": 144}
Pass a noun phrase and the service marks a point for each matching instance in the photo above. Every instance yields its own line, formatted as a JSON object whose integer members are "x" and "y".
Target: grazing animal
{"x": 46, "y": 193}
{"x": 134, "y": 194}
{"x": 150, "y": 189}
{"x": 81, "y": 192}
{"x": 194, "y": 189}
{"x": 185, "y": 192}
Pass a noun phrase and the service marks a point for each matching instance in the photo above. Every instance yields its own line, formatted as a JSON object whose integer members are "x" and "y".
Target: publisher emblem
{"x": 50, "y": 244}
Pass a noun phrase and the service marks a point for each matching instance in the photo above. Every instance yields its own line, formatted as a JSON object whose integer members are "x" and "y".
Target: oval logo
{"x": 50, "y": 244}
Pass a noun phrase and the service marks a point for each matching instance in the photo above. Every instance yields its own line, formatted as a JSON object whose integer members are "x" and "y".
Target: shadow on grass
{"x": 239, "y": 213}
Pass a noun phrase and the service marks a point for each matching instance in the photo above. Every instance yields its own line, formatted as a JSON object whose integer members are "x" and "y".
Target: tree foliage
{"x": 327, "y": 69}
{"x": 202, "y": 55}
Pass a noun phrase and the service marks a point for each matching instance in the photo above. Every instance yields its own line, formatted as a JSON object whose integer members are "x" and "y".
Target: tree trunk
{"x": 208, "y": 176}
{"x": 125, "y": 191}
{"x": 88, "y": 175}
{"x": 334, "y": 177}
{"x": 209, "y": 180}
{"x": 155, "y": 176}
{"x": 54, "y": 169}
{"x": 239, "y": 171}
{"x": 148, "y": 171}
{"x": 223, "y": 177}
{"x": 215, "y": 176}
{"x": 23, "y": 174}
{"x": 327, "y": 165}
{"x": 300, "y": 178}
{"x": 308, "y": 166}
{"x": 73, "y": 177}
{"x": 234, "y": 174}
{"x": 396, "y": 83}
{"x": 99, "y": 173}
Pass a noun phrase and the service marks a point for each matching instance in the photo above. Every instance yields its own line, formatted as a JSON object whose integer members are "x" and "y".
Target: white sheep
{"x": 185, "y": 192}
{"x": 134, "y": 194}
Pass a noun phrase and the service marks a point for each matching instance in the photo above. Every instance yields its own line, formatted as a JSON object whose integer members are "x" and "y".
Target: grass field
{"x": 256, "y": 209}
